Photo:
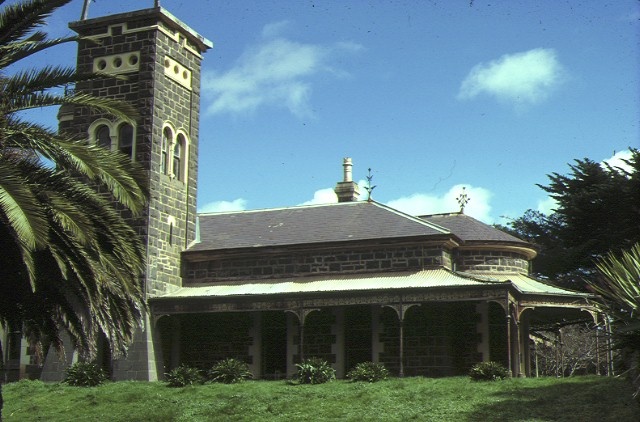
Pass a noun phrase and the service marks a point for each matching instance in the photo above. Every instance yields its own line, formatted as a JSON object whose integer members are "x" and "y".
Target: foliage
{"x": 397, "y": 399}
{"x": 596, "y": 212}
{"x": 229, "y": 371}
{"x": 619, "y": 287}
{"x": 369, "y": 372}
{"x": 619, "y": 284}
{"x": 70, "y": 261}
{"x": 488, "y": 371}
{"x": 314, "y": 371}
{"x": 576, "y": 349}
{"x": 183, "y": 376}
{"x": 84, "y": 374}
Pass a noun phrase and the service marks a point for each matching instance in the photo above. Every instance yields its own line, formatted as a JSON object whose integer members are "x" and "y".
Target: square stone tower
{"x": 156, "y": 59}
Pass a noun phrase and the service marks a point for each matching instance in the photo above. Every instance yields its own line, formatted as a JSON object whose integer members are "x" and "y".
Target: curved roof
{"x": 470, "y": 230}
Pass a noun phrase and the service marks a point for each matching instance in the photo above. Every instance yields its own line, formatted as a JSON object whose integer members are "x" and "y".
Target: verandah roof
{"x": 353, "y": 283}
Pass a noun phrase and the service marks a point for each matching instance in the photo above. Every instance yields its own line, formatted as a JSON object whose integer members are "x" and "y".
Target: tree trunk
{"x": 1, "y": 377}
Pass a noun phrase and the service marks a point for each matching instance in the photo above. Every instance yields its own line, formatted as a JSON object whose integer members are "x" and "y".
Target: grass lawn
{"x": 581, "y": 399}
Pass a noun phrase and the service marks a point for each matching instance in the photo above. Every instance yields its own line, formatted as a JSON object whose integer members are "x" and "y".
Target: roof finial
{"x": 85, "y": 10}
{"x": 369, "y": 188}
{"x": 463, "y": 199}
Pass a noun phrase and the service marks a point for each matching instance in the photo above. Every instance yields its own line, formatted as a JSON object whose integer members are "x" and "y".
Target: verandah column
{"x": 255, "y": 350}
{"x": 301, "y": 314}
{"x": 401, "y": 310}
{"x": 338, "y": 348}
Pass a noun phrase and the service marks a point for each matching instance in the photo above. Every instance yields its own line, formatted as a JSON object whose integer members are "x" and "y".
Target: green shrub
{"x": 84, "y": 374}
{"x": 314, "y": 371}
{"x": 488, "y": 371}
{"x": 368, "y": 371}
{"x": 229, "y": 371}
{"x": 184, "y": 375}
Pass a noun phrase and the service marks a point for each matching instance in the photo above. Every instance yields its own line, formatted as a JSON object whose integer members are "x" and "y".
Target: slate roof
{"x": 346, "y": 221}
{"x": 469, "y": 229}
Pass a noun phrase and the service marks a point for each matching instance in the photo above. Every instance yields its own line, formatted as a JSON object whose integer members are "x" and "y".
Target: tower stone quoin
{"x": 155, "y": 60}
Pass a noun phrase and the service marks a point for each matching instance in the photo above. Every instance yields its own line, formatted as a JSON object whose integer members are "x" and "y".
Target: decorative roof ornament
{"x": 85, "y": 10}
{"x": 463, "y": 199}
{"x": 369, "y": 188}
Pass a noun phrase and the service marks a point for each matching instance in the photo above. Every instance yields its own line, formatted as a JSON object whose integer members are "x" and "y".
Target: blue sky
{"x": 431, "y": 95}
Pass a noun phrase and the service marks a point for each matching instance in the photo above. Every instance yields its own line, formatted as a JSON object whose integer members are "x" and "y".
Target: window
{"x": 103, "y": 136}
{"x": 125, "y": 139}
{"x": 167, "y": 137}
{"x": 171, "y": 221}
{"x": 114, "y": 136}
{"x": 177, "y": 157}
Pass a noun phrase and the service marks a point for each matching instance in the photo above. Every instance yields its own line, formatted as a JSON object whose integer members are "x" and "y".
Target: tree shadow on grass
{"x": 587, "y": 400}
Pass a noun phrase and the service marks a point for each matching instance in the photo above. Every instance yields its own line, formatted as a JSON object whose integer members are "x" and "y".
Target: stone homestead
{"x": 348, "y": 282}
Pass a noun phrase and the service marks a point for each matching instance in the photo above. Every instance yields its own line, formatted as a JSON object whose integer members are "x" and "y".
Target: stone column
{"x": 338, "y": 347}
{"x": 176, "y": 341}
{"x": 482, "y": 329}
{"x": 292, "y": 349}
{"x": 525, "y": 351}
{"x": 377, "y": 346}
{"x": 255, "y": 350}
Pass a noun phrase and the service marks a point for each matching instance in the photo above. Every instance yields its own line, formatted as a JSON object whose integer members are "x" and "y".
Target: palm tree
{"x": 619, "y": 287}
{"x": 69, "y": 262}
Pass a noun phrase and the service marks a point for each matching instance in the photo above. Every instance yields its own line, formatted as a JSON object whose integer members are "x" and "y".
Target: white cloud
{"x": 277, "y": 72}
{"x": 322, "y": 196}
{"x": 274, "y": 29}
{"x": 224, "y": 206}
{"x": 421, "y": 204}
{"x": 616, "y": 160}
{"x": 547, "y": 206}
{"x": 328, "y": 195}
{"x": 521, "y": 78}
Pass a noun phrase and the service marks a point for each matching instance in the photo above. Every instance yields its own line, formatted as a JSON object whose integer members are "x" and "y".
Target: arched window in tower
{"x": 103, "y": 136}
{"x": 177, "y": 157}
{"x": 125, "y": 139}
{"x": 167, "y": 136}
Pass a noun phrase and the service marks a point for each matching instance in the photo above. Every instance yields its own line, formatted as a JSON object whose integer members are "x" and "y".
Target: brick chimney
{"x": 347, "y": 190}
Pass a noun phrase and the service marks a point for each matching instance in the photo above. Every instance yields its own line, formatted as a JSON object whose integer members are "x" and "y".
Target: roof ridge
{"x": 413, "y": 218}
{"x": 443, "y": 214}
{"x": 293, "y": 207}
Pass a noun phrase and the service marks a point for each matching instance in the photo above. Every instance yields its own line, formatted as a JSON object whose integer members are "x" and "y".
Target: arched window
{"x": 125, "y": 139}
{"x": 167, "y": 137}
{"x": 103, "y": 136}
{"x": 177, "y": 157}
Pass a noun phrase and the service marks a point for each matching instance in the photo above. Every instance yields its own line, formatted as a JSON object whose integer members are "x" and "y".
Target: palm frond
{"x": 70, "y": 260}
{"x": 18, "y": 50}
{"x": 17, "y": 20}
{"x": 621, "y": 278}
{"x": 37, "y": 80}
{"x": 44, "y": 99}
{"x": 19, "y": 208}
{"x": 125, "y": 180}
